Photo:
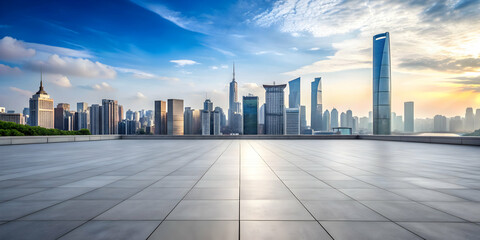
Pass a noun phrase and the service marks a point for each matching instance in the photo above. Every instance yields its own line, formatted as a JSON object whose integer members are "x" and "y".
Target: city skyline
{"x": 140, "y": 66}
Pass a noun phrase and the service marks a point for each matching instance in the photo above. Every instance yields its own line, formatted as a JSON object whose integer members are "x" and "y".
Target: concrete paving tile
{"x": 438, "y": 231}
{"x": 139, "y": 210}
{"x": 341, "y": 210}
{"x": 154, "y": 193}
{"x": 73, "y": 210}
{"x": 104, "y": 230}
{"x": 15, "y": 209}
{"x": 45, "y": 230}
{"x": 196, "y": 230}
{"x": 282, "y": 230}
{"x": 409, "y": 212}
{"x": 273, "y": 210}
{"x": 341, "y": 230}
{"x": 205, "y": 210}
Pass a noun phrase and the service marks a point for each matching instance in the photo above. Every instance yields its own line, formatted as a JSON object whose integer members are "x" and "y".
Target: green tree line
{"x": 14, "y": 129}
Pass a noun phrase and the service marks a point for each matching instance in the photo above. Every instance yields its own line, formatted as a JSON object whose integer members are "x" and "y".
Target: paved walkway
{"x": 247, "y": 189}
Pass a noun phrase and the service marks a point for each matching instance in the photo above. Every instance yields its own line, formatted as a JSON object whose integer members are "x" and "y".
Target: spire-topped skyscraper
{"x": 41, "y": 108}
{"x": 233, "y": 99}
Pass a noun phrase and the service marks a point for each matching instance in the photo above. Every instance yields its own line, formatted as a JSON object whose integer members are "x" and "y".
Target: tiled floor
{"x": 239, "y": 189}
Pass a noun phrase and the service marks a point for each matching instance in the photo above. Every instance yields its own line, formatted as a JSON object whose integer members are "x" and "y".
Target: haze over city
{"x": 140, "y": 51}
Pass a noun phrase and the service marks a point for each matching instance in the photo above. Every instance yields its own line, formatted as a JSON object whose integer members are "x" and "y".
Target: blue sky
{"x": 139, "y": 51}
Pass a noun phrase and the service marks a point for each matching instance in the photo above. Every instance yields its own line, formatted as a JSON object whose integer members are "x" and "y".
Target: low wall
{"x": 230, "y": 137}
{"x": 474, "y": 141}
{"x": 54, "y": 139}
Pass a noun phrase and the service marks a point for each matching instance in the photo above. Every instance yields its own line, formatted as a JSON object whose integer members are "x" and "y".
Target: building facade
{"x": 381, "y": 84}
{"x": 175, "y": 117}
{"x": 41, "y": 109}
{"x": 316, "y": 105}
{"x": 294, "y": 93}
{"x": 109, "y": 116}
{"x": 274, "y": 109}
{"x": 250, "y": 115}
{"x": 96, "y": 119}
{"x": 17, "y": 118}
{"x": 160, "y": 117}
{"x": 292, "y": 121}
{"x": 334, "y": 118}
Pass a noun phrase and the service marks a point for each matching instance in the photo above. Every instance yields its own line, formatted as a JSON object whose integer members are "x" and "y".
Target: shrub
{"x": 13, "y": 129}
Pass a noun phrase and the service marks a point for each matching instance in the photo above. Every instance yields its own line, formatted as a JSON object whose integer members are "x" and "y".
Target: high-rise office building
{"x": 261, "y": 119}
{"x": 26, "y": 115}
{"x": 96, "y": 119}
{"x": 208, "y": 105}
{"x": 109, "y": 116}
{"x": 456, "y": 124}
{"x": 294, "y": 95}
{"x": 238, "y": 123}
{"x": 439, "y": 124}
{"x": 82, "y": 116}
{"x": 188, "y": 121}
{"x": 326, "y": 120}
{"x": 250, "y": 115}
{"x": 120, "y": 113}
{"x": 334, "y": 118}
{"x": 215, "y": 118}
{"x": 62, "y": 114}
{"x": 343, "y": 120}
{"x": 303, "y": 119}
{"x": 274, "y": 109}
{"x": 232, "y": 98}
{"x": 196, "y": 122}
{"x": 409, "y": 117}
{"x": 206, "y": 116}
{"x": 129, "y": 115}
{"x": 292, "y": 121}
{"x": 175, "y": 117}
{"x": 41, "y": 109}
{"x": 469, "y": 120}
{"x": 381, "y": 84}
{"x": 349, "y": 117}
{"x": 316, "y": 105}
{"x": 160, "y": 117}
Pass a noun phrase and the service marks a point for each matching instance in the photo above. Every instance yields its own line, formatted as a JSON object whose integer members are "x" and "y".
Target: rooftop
{"x": 239, "y": 189}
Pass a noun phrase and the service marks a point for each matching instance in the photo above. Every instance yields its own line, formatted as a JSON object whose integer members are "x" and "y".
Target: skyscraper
{"x": 120, "y": 113}
{"x": 303, "y": 119}
{"x": 326, "y": 120}
{"x": 175, "y": 117}
{"x": 160, "y": 117}
{"x": 41, "y": 109}
{"x": 109, "y": 116}
{"x": 439, "y": 124}
{"x": 343, "y": 120}
{"x": 206, "y": 122}
{"x": 61, "y": 116}
{"x": 316, "y": 111}
{"x": 334, "y": 118}
{"x": 82, "y": 116}
{"x": 232, "y": 98}
{"x": 294, "y": 95}
{"x": 381, "y": 84}
{"x": 96, "y": 119}
{"x": 274, "y": 109}
{"x": 188, "y": 121}
{"x": 469, "y": 120}
{"x": 292, "y": 121}
{"x": 349, "y": 117}
{"x": 250, "y": 115}
{"x": 408, "y": 112}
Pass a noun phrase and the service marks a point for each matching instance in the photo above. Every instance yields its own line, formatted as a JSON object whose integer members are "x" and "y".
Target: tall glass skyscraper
{"x": 381, "y": 84}
{"x": 294, "y": 95}
{"x": 275, "y": 109}
{"x": 232, "y": 98}
{"x": 317, "y": 111}
{"x": 334, "y": 118}
{"x": 250, "y": 115}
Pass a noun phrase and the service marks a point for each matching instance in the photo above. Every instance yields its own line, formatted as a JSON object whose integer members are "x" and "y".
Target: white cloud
{"x": 59, "y": 50}
{"x": 5, "y": 69}
{"x": 294, "y": 49}
{"x": 12, "y": 49}
{"x": 224, "y": 66}
{"x": 314, "y": 49}
{"x": 268, "y": 52}
{"x": 144, "y": 75}
{"x": 22, "y": 92}
{"x": 74, "y": 66}
{"x": 58, "y": 79}
{"x": 140, "y": 96}
{"x": 183, "y": 62}
{"x": 101, "y": 87}
{"x": 214, "y": 67}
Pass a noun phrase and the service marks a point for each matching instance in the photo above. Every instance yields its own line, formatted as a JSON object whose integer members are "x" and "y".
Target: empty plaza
{"x": 239, "y": 189}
